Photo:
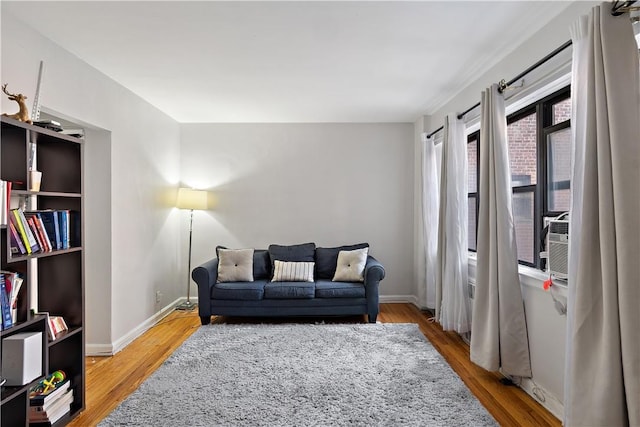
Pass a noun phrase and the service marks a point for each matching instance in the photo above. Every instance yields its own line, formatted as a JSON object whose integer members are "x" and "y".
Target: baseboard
{"x": 118, "y": 345}
{"x": 543, "y": 397}
{"x": 411, "y": 299}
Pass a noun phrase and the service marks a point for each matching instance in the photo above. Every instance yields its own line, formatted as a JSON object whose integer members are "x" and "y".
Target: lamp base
{"x": 187, "y": 305}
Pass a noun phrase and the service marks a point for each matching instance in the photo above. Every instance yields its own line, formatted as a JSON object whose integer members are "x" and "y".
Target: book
{"x": 43, "y": 231}
{"x": 50, "y": 221}
{"x": 25, "y": 231}
{"x": 38, "y": 397}
{"x": 4, "y": 208}
{"x": 78, "y": 132}
{"x": 13, "y": 300}
{"x": 34, "y": 230}
{"x": 4, "y": 305}
{"x": 50, "y": 330}
{"x": 58, "y": 324}
{"x": 50, "y": 417}
{"x": 14, "y": 219}
{"x": 17, "y": 246}
{"x": 49, "y": 124}
{"x": 36, "y": 222}
{"x": 75, "y": 238}
{"x": 63, "y": 221}
{"x": 52, "y": 407}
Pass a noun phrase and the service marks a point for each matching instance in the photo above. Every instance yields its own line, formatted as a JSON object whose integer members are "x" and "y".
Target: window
{"x": 539, "y": 139}
{"x": 540, "y": 156}
{"x": 523, "y": 153}
{"x": 473, "y": 157}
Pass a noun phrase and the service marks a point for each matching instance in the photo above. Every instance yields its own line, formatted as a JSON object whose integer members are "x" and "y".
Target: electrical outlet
{"x": 158, "y": 296}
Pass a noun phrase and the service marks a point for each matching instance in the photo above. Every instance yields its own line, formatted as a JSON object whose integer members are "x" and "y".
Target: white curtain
{"x": 452, "y": 295}
{"x": 499, "y": 331}
{"x": 602, "y": 371}
{"x": 427, "y": 292}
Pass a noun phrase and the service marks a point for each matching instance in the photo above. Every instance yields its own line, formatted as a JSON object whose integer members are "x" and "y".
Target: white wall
{"x": 331, "y": 184}
{"x": 131, "y": 168}
{"x": 546, "y": 327}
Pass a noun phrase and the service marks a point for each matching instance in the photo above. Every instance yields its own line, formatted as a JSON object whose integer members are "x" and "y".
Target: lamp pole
{"x": 188, "y": 305}
{"x": 191, "y": 199}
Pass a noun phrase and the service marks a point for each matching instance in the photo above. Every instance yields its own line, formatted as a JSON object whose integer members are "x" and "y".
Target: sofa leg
{"x": 372, "y": 318}
{"x": 205, "y": 320}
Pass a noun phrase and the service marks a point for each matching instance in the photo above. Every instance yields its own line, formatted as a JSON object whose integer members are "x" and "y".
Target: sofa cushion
{"x": 289, "y": 290}
{"x": 235, "y": 265}
{"x": 261, "y": 263}
{"x": 327, "y": 259}
{"x": 284, "y": 271}
{"x": 350, "y": 267}
{"x": 244, "y": 291}
{"x": 329, "y": 289}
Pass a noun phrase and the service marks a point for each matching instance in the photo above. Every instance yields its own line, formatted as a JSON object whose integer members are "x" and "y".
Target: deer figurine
{"x": 23, "y": 114}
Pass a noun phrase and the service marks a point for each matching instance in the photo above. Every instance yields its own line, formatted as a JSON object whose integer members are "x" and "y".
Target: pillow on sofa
{"x": 261, "y": 263}
{"x": 327, "y": 259}
{"x": 350, "y": 267}
{"x": 284, "y": 271}
{"x": 235, "y": 265}
{"x": 293, "y": 253}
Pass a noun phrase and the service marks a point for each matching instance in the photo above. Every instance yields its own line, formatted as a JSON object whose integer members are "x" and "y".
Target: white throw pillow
{"x": 235, "y": 265}
{"x": 350, "y": 266}
{"x": 284, "y": 271}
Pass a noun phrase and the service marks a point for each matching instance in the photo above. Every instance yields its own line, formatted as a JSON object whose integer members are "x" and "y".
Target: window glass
{"x": 558, "y": 170}
{"x": 471, "y": 223}
{"x": 524, "y": 224}
{"x": 472, "y": 155}
{"x": 522, "y": 138}
{"x": 561, "y": 111}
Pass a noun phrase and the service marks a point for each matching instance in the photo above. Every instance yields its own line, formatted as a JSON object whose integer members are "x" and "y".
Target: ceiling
{"x": 292, "y": 61}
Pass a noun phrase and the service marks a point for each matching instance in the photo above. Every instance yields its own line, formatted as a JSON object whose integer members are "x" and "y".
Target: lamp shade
{"x": 188, "y": 198}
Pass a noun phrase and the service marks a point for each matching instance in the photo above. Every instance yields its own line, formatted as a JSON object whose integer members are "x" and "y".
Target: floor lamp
{"x": 190, "y": 199}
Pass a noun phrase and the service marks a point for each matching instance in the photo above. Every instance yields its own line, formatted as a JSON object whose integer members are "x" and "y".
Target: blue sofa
{"x": 263, "y": 297}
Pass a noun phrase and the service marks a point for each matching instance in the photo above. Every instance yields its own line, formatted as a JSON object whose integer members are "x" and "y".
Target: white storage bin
{"x": 22, "y": 358}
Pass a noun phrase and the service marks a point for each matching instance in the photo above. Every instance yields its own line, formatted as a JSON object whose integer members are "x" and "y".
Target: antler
{"x": 4, "y": 89}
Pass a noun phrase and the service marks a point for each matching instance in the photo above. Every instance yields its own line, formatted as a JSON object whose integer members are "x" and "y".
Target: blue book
{"x": 4, "y": 305}
{"x": 64, "y": 228}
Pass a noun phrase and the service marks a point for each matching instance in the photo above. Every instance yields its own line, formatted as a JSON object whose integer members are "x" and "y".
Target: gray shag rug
{"x": 303, "y": 375}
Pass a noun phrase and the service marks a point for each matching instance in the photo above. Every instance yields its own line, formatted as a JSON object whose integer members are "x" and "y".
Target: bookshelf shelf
{"x": 53, "y": 281}
{"x": 44, "y": 254}
{"x": 27, "y": 193}
{"x": 65, "y": 335}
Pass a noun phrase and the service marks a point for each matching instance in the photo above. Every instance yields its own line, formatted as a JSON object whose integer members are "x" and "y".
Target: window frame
{"x": 543, "y": 108}
{"x": 475, "y": 136}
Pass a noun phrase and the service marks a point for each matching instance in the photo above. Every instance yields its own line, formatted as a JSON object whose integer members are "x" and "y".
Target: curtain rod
{"x": 618, "y": 8}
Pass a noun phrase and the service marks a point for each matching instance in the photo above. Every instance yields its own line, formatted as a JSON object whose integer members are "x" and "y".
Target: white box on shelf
{"x": 22, "y": 358}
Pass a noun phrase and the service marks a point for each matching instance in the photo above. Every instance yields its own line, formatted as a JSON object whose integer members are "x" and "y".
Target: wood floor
{"x": 111, "y": 379}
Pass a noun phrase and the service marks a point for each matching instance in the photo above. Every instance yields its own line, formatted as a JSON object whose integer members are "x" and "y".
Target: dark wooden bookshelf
{"x": 56, "y": 277}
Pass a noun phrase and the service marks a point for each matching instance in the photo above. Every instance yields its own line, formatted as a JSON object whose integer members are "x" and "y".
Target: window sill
{"x": 529, "y": 276}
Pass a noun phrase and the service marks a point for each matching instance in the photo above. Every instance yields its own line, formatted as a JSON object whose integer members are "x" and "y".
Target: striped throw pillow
{"x": 293, "y": 271}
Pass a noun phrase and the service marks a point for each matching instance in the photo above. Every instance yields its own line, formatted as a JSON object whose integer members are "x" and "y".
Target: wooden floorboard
{"x": 111, "y": 379}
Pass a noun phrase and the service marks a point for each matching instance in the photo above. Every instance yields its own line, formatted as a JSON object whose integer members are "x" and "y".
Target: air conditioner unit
{"x": 558, "y": 247}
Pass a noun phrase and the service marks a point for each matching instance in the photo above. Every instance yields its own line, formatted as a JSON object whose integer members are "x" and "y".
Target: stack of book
{"x": 43, "y": 230}
{"x": 57, "y": 126}
{"x": 55, "y": 325}
{"x": 49, "y": 124}
{"x": 10, "y": 285}
{"x": 49, "y": 406}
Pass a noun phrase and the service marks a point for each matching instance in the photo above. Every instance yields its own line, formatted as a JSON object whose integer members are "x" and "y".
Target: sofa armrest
{"x": 205, "y": 276}
{"x": 373, "y": 274}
